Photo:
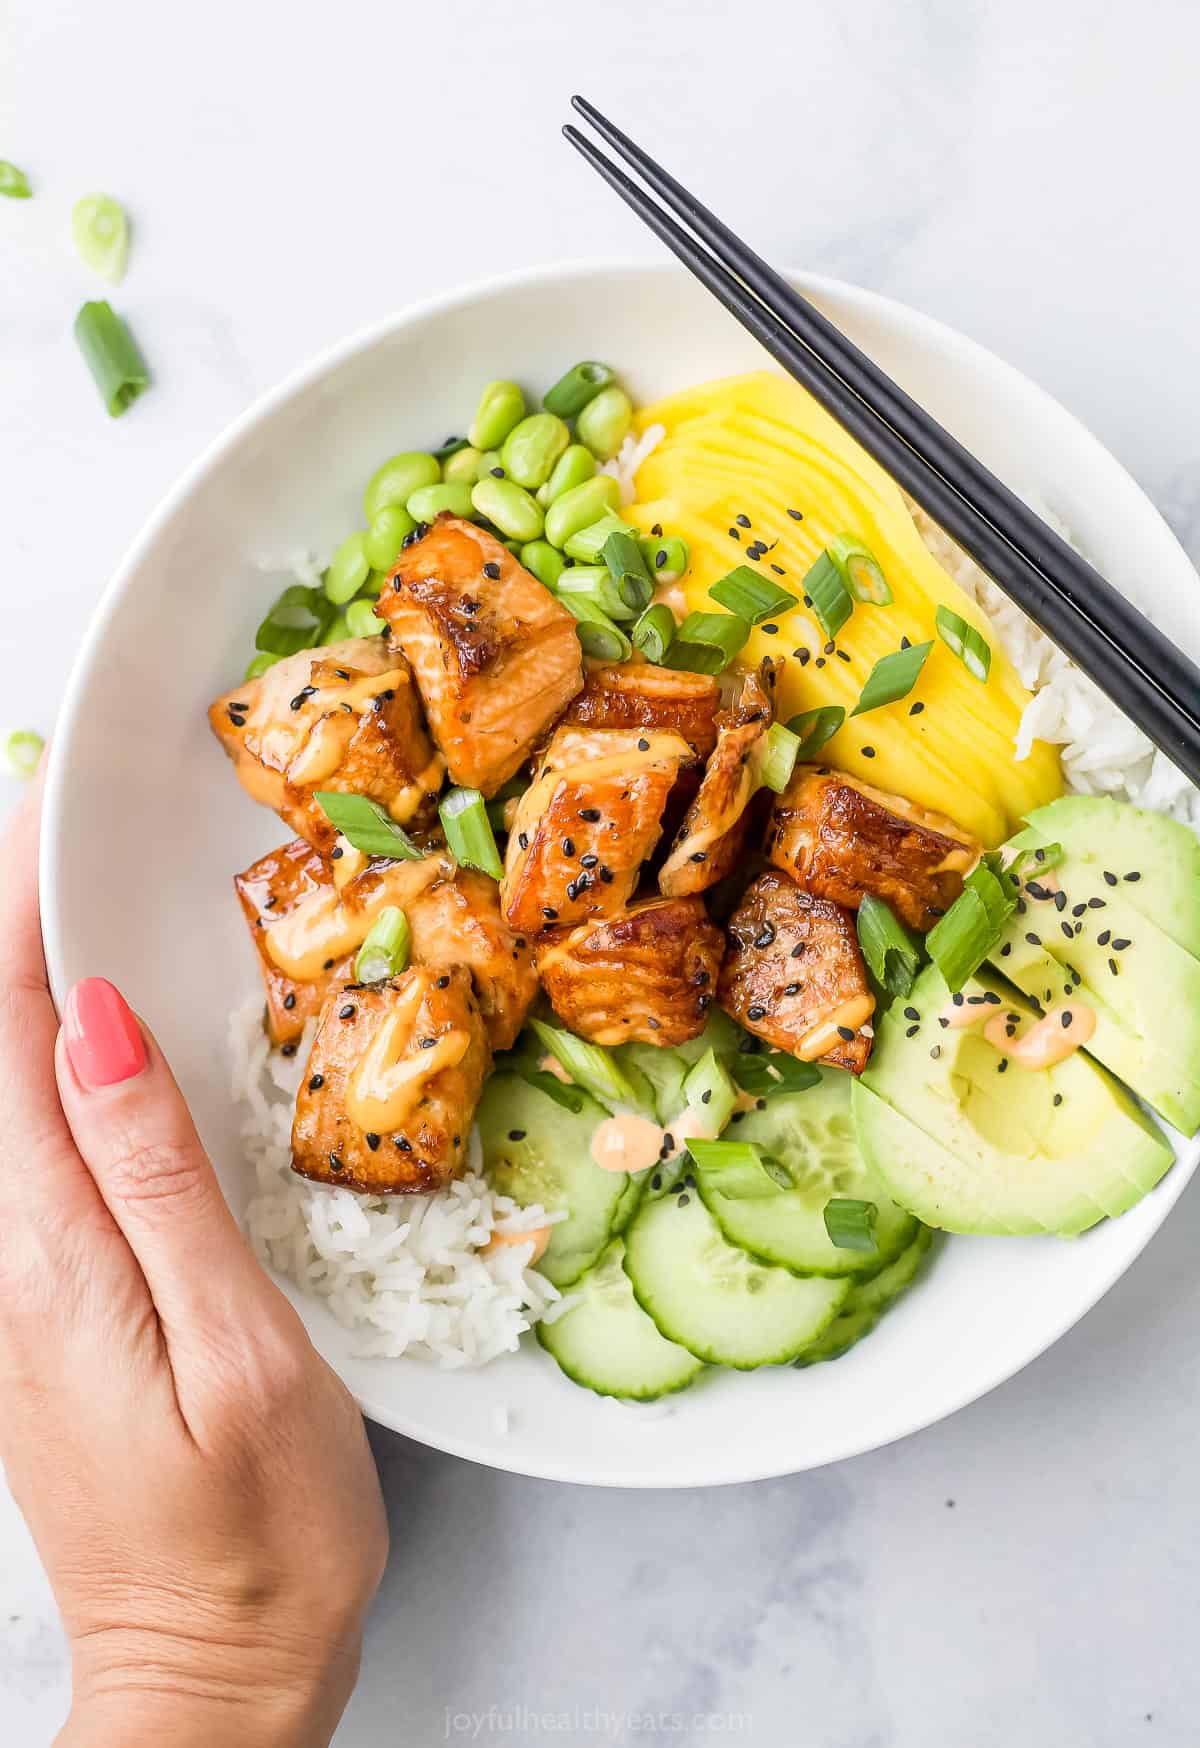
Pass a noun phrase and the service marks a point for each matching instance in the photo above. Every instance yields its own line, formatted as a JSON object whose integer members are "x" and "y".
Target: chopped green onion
{"x": 600, "y": 638}
{"x": 708, "y": 1089}
{"x": 755, "y": 598}
{"x": 450, "y": 447}
{"x": 627, "y": 567}
{"x": 101, "y": 233}
{"x": 385, "y": 951}
{"x": 569, "y": 1097}
{"x": 860, "y": 570}
{"x": 498, "y": 803}
{"x": 706, "y": 643}
{"x": 815, "y": 727}
{"x": 851, "y": 1224}
{"x": 666, "y": 558}
{"x": 893, "y": 956}
{"x": 297, "y": 620}
{"x": 594, "y": 585}
{"x": 13, "y": 182}
{"x": 257, "y": 666}
{"x": 111, "y": 354}
{"x": 962, "y": 939}
{"x": 581, "y": 384}
{"x": 586, "y": 545}
{"x": 593, "y": 1068}
{"x": 826, "y": 589}
{"x": 763, "y": 1073}
{"x": 469, "y": 831}
{"x": 1033, "y": 859}
{"x": 738, "y": 1170}
{"x": 776, "y": 757}
{"x": 23, "y": 750}
{"x": 892, "y": 677}
{"x": 365, "y": 825}
{"x": 972, "y": 649}
{"x": 994, "y": 886}
{"x": 653, "y": 632}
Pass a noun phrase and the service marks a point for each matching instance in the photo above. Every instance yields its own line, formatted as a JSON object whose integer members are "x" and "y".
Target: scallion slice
{"x": 101, "y": 233}
{"x": 111, "y": 354}
{"x": 971, "y": 648}
{"x": 384, "y": 952}
{"x": 1032, "y": 860}
{"x": 23, "y": 750}
{"x": 571, "y": 1098}
{"x": 814, "y": 728}
{"x": 893, "y": 956}
{"x": 450, "y": 447}
{"x": 826, "y": 589}
{"x": 706, "y": 643}
{"x": 13, "y": 181}
{"x": 365, "y": 825}
{"x": 593, "y": 1068}
{"x": 653, "y": 632}
{"x": 257, "y": 666}
{"x": 600, "y": 638}
{"x": 298, "y": 620}
{"x": 581, "y": 384}
{"x": 851, "y": 1224}
{"x": 763, "y": 1073}
{"x": 468, "y": 830}
{"x": 892, "y": 677}
{"x": 960, "y": 942}
{"x": 754, "y": 597}
{"x": 777, "y": 754}
{"x": 709, "y": 1090}
{"x": 627, "y": 568}
{"x": 738, "y": 1170}
{"x": 860, "y": 570}
{"x": 595, "y": 586}
{"x": 586, "y": 545}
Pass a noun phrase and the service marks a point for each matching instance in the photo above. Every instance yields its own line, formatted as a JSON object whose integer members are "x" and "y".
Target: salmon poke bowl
{"x": 663, "y": 953}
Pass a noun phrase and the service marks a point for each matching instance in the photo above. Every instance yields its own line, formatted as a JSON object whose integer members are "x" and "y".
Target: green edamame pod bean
{"x": 463, "y": 465}
{"x": 604, "y": 423}
{"x": 337, "y": 631}
{"x": 398, "y": 478}
{"x": 581, "y": 384}
{"x": 666, "y": 558}
{"x": 580, "y": 507}
{"x": 575, "y": 465}
{"x": 348, "y": 570}
{"x": 361, "y": 619}
{"x": 374, "y": 586}
{"x": 385, "y": 535}
{"x": 260, "y": 663}
{"x": 587, "y": 544}
{"x": 501, "y": 406}
{"x": 532, "y": 448}
{"x": 544, "y": 560}
{"x": 430, "y": 501}
{"x": 512, "y": 509}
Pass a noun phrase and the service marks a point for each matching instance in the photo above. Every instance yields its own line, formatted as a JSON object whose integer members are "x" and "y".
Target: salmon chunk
{"x": 390, "y": 1091}
{"x": 272, "y": 888}
{"x": 648, "y": 974}
{"x": 794, "y": 975}
{"x": 840, "y": 838}
{"x": 458, "y": 921}
{"x": 495, "y": 655}
{"x": 710, "y": 842}
{"x": 586, "y": 823}
{"x": 640, "y": 695}
{"x": 346, "y": 718}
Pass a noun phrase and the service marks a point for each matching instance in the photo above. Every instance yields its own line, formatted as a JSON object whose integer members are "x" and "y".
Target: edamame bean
{"x": 337, "y": 631}
{"x": 348, "y": 569}
{"x": 463, "y": 465}
{"x": 512, "y": 509}
{"x": 384, "y": 536}
{"x": 490, "y": 462}
{"x": 260, "y": 663}
{"x": 544, "y": 560}
{"x": 666, "y": 558}
{"x": 398, "y": 478}
{"x": 430, "y": 501}
{"x": 532, "y": 448}
{"x": 604, "y": 423}
{"x": 572, "y": 392}
{"x": 361, "y": 620}
{"x": 501, "y": 406}
{"x": 575, "y": 465}
{"x": 580, "y": 507}
{"x": 374, "y": 586}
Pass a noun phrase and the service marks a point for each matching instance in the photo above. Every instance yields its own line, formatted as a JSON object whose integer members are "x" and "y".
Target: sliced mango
{"x": 760, "y": 446}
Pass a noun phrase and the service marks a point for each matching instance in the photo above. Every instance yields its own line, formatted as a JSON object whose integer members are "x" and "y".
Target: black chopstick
{"x": 1145, "y": 675}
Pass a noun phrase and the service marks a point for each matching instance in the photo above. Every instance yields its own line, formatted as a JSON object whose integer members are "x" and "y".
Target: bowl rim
{"x": 950, "y": 343}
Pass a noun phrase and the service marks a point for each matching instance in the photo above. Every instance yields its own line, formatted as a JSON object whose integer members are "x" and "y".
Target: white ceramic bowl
{"x": 145, "y": 824}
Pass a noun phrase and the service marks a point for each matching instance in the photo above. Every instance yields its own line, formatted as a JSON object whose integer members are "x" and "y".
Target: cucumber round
{"x": 867, "y": 1302}
{"x": 608, "y": 1344}
{"x": 811, "y": 1134}
{"x": 721, "y": 1304}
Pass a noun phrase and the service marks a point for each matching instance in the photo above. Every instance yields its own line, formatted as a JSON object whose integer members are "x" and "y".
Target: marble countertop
{"x": 1028, "y": 1571}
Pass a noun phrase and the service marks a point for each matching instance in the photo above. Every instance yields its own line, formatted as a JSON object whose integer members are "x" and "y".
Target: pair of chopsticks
{"x": 1151, "y": 680}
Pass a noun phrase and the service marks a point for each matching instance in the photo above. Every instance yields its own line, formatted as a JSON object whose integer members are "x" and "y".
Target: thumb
{"x": 137, "y": 1139}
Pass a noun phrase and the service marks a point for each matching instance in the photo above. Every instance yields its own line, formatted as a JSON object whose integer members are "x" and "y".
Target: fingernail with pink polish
{"x": 102, "y": 1037}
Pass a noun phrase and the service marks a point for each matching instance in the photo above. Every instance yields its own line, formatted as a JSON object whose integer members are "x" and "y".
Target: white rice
{"x": 625, "y": 463}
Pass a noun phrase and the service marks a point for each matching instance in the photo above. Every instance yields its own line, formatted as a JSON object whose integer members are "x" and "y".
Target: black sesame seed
{"x": 1077, "y": 909}
{"x": 704, "y": 1002}
{"x": 1104, "y": 937}
{"x": 734, "y": 535}
{"x": 1109, "y": 879}
{"x": 348, "y": 1012}
{"x": 336, "y": 854}
{"x": 771, "y": 629}
{"x": 742, "y": 521}
{"x": 756, "y": 1012}
{"x": 287, "y": 1050}
{"x": 842, "y": 655}
{"x": 606, "y": 874}
{"x": 868, "y": 752}
{"x": 911, "y": 1013}
{"x": 549, "y": 912}
{"x": 798, "y": 950}
{"x": 643, "y": 745}
{"x": 589, "y": 813}
{"x": 316, "y": 1083}
{"x": 1058, "y": 1099}
{"x": 289, "y": 1000}
{"x": 656, "y": 1181}
{"x": 299, "y": 700}
{"x": 1134, "y": 876}
{"x": 698, "y": 856}
{"x": 372, "y": 1140}
{"x": 683, "y": 1200}
{"x": 336, "y": 1162}
{"x": 1060, "y": 903}
{"x": 1006, "y": 949}
{"x": 796, "y": 515}
{"x": 404, "y": 1145}
{"x": 328, "y": 966}
{"x": 496, "y": 472}
{"x": 791, "y": 989}
{"x": 660, "y": 559}
{"x": 1120, "y": 946}
{"x": 807, "y": 599}
{"x": 779, "y": 570}
{"x": 1002, "y": 1065}
{"x": 1114, "y": 968}
{"x": 589, "y": 861}
{"x": 1097, "y": 903}
{"x": 765, "y": 935}
{"x": 523, "y": 840}
{"x": 1067, "y": 1018}
{"x": 1068, "y": 930}
{"x": 910, "y": 1032}
{"x": 516, "y": 1134}
{"x": 442, "y": 983}
{"x": 568, "y": 846}
{"x": 426, "y": 1043}
{"x": 491, "y": 569}
{"x": 1034, "y": 940}
{"x": 936, "y": 1051}
{"x": 846, "y": 1033}
{"x": 803, "y": 656}
{"x": 657, "y": 530}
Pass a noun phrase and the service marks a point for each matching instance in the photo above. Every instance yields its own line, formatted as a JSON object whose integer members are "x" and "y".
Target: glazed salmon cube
{"x": 495, "y": 655}
{"x": 457, "y": 921}
{"x": 640, "y": 695}
{"x": 271, "y": 889}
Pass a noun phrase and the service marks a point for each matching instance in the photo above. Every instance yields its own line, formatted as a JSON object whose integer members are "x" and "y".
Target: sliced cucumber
{"x": 721, "y": 1304}
{"x": 608, "y": 1344}
{"x": 868, "y": 1301}
{"x": 810, "y": 1134}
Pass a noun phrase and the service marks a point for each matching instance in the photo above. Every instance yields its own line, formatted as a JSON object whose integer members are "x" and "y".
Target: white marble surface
{"x": 1026, "y": 1573}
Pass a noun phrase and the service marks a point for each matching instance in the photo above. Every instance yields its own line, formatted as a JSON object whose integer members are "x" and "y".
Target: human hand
{"x": 197, "y": 1480}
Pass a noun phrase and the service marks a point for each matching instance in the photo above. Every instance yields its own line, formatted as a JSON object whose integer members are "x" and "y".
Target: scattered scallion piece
{"x": 706, "y": 643}
{"x": 569, "y": 1097}
{"x": 627, "y": 567}
{"x": 13, "y": 181}
{"x": 826, "y": 589}
{"x": 892, "y": 677}
{"x": 763, "y": 1073}
{"x": 851, "y": 1224}
{"x": 594, "y": 585}
{"x": 653, "y": 632}
{"x": 860, "y": 570}
{"x": 893, "y": 956}
{"x": 297, "y": 620}
{"x": 257, "y": 666}
{"x": 815, "y": 727}
{"x": 599, "y": 637}
{"x": 23, "y": 750}
{"x": 591, "y": 1067}
{"x": 450, "y": 447}
{"x": 1033, "y": 859}
{"x": 581, "y": 384}
{"x": 365, "y": 825}
{"x": 111, "y": 354}
{"x": 755, "y": 597}
{"x": 101, "y": 233}
{"x": 971, "y": 648}
{"x": 586, "y": 545}
{"x": 469, "y": 831}
{"x": 961, "y": 940}
{"x": 738, "y": 1170}
{"x": 708, "y": 1089}
{"x": 385, "y": 951}
{"x": 777, "y": 755}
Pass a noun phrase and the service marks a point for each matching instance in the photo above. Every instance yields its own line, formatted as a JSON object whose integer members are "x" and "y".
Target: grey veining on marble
{"x": 1027, "y": 1573}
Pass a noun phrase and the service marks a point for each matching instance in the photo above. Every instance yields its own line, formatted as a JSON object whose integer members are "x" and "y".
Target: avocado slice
{"x": 969, "y": 1147}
